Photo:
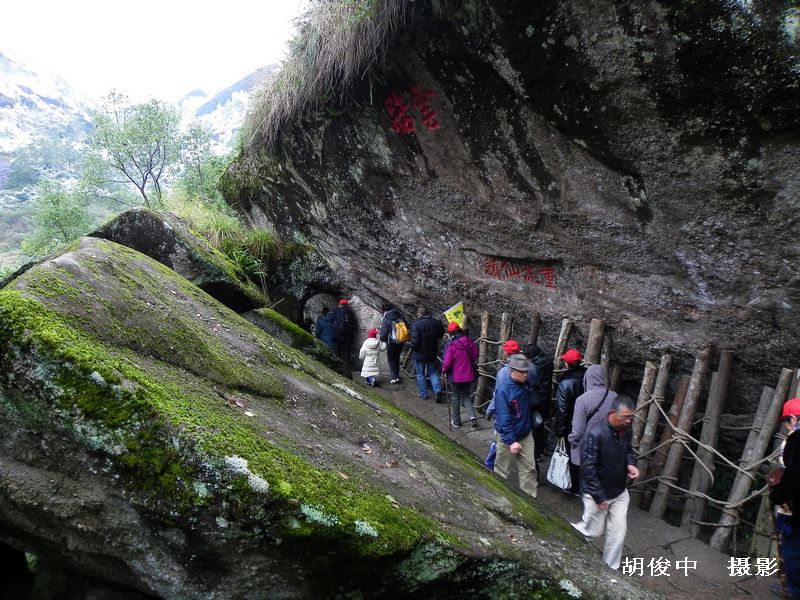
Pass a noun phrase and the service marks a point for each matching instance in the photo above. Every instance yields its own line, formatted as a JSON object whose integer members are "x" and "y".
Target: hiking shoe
{"x": 455, "y": 425}
{"x": 394, "y": 381}
{"x": 440, "y": 398}
{"x": 474, "y": 422}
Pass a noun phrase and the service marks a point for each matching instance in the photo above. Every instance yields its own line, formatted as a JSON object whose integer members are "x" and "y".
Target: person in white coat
{"x": 370, "y": 353}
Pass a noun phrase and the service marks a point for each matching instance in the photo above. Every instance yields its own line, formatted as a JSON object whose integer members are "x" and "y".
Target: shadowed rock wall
{"x": 635, "y": 162}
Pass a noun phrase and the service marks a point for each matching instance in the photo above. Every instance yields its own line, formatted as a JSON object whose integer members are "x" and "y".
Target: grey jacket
{"x": 594, "y": 382}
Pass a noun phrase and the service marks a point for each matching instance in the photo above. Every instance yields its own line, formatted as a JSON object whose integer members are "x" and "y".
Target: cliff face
{"x": 635, "y": 162}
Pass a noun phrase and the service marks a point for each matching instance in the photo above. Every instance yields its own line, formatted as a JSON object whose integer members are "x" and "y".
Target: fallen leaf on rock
{"x": 366, "y": 449}
{"x": 342, "y": 475}
{"x": 250, "y": 413}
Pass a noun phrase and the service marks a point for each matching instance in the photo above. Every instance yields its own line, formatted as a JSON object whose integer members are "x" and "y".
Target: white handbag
{"x": 558, "y": 473}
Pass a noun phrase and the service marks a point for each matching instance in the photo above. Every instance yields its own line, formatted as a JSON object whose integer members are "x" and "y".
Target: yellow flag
{"x": 455, "y": 314}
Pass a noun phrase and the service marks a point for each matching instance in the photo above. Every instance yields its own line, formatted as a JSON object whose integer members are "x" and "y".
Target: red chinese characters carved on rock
{"x": 399, "y": 107}
{"x": 505, "y": 270}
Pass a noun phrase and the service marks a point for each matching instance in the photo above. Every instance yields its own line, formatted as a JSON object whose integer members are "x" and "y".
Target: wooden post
{"x": 616, "y": 378}
{"x": 763, "y": 543}
{"x": 651, "y": 425}
{"x": 794, "y": 385}
{"x": 660, "y": 458}
{"x": 505, "y": 334}
{"x": 645, "y": 392}
{"x": 536, "y": 323}
{"x": 561, "y": 345}
{"x": 752, "y": 454}
{"x": 701, "y": 481}
{"x": 605, "y": 359}
{"x": 594, "y": 344}
{"x": 483, "y": 353}
{"x": 673, "y": 464}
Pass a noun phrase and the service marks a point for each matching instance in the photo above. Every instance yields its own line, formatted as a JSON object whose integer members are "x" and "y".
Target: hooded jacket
{"x": 597, "y": 397}
{"x": 370, "y": 354}
{"x": 459, "y": 357}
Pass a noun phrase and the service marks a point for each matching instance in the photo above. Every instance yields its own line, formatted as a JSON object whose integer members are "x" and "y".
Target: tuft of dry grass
{"x": 337, "y": 42}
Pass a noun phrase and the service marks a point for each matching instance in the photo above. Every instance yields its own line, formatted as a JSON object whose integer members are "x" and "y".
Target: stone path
{"x": 648, "y": 538}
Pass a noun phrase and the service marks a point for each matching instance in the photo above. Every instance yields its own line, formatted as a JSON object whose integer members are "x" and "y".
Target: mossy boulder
{"x": 154, "y": 438}
{"x": 169, "y": 240}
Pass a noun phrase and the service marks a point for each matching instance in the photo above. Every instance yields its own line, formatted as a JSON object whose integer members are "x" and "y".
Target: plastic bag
{"x": 558, "y": 472}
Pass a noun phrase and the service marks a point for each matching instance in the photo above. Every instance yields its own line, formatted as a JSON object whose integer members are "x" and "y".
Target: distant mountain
{"x": 35, "y": 103}
{"x": 224, "y": 112}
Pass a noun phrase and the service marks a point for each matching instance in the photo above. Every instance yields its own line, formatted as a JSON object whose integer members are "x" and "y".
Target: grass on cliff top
{"x": 334, "y": 44}
{"x": 139, "y": 412}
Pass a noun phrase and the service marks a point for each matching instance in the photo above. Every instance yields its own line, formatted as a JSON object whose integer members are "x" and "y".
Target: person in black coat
{"x": 344, "y": 328}
{"x": 786, "y": 498}
{"x": 543, "y": 385}
{"x": 393, "y": 348}
{"x": 569, "y": 388}
{"x": 607, "y": 462}
{"x": 426, "y": 332}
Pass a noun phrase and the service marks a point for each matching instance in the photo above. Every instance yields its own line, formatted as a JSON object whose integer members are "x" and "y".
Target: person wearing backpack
{"x": 394, "y": 333}
{"x": 344, "y": 326}
{"x": 458, "y": 365}
{"x": 425, "y": 335}
{"x": 591, "y": 408}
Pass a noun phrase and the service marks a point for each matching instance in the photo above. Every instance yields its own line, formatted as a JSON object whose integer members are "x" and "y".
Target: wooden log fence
{"x": 650, "y": 428}
{"x": 751, "y": 458}
{"x": 594, "y": 344}
{"x": 673, "y": 463}
{"x": 703, "y": 474}
{"x": 676, "y": 438}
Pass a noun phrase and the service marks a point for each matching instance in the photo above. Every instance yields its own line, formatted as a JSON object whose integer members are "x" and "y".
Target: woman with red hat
{"x": 569, "y": 388}
{"x": 459, "y": 366}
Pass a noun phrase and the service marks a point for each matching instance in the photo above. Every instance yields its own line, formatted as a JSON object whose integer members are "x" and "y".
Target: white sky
{"x": 148, "y": 48}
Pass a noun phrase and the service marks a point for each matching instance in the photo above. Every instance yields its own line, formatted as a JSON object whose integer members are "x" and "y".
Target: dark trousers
{"x": 341, "y": 348}
{"x": 790, "y": 550}
{"x": 393, "y": 352}
{"x": 574, "y": 471}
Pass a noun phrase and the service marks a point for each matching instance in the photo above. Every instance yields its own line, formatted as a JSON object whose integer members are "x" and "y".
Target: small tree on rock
{"x": 133, "y": 145}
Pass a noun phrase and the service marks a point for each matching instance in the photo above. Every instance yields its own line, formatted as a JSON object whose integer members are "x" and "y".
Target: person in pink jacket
{"x": 459, "y": 366}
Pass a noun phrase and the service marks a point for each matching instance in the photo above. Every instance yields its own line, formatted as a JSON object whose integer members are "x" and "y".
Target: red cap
{"x": 791, "y": 408}
{"x": 511, "y": 347}
{"x": 572, "y": 356}
{"x": 453, "y": 326}
{"x": 342, "y": 302}
{"x": 372, "y": 333}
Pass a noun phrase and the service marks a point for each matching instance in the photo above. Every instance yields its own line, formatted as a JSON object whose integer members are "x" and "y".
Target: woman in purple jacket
{"x": 459, "y": 366}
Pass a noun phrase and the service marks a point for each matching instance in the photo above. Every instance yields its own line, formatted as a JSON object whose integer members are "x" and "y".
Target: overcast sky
{"x": 148, "y": 48}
